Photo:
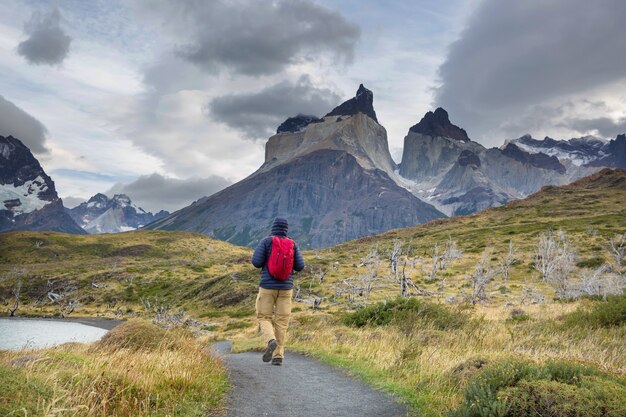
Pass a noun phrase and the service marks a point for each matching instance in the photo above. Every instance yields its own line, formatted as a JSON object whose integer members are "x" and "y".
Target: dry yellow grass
{"x": 425, "y": 365}
{"x": 173, "y": 376}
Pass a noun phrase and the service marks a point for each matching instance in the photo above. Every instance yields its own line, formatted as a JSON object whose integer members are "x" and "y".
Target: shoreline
{"x": 99, "y": 322}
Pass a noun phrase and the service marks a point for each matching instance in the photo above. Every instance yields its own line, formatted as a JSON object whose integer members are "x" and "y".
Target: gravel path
{"x": 302, "y": 387}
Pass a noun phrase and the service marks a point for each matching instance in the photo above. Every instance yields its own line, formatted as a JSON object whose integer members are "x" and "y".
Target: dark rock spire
{"x": 363, "y": 102}
{"x": 438, "y": 124}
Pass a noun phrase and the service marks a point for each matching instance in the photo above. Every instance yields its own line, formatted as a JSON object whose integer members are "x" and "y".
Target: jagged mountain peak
{"x": 122, "y": 198}
{"x": 351, "y": 127}
{"x": 296, "y": 123}
{"x": 362, "y": 102}
{"x": 101, "y": 214}
{"x": 28, "y": 198}
{"x": 438, "y": 123}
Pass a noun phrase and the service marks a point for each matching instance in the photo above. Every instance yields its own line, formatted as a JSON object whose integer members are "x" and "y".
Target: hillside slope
{"x": 112, "y": 273}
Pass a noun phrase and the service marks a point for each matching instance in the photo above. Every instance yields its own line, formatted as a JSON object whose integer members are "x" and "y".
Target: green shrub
{"x": 406, "y": 310}
{"x": 517, "y": 316}
{"x": 590, "y": 263}
{"x": 514, "y": 388}
{"x": 609, "y": 313}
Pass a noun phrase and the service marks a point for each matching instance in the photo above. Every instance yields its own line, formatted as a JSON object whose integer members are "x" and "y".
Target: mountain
{"x": 443, "y": 166}
{"x": 28, "y": 198}
{"x": 101, "y": 214}
{"x": 333, "y": 178}
{"x": 585, "y": 151}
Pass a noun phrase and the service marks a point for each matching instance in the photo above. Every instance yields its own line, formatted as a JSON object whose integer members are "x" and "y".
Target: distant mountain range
{"x": 101, "y": 214}
{"x": 29, "y": 201}
{"x": 443, "y": 166}
{"x": 332, "y": 177}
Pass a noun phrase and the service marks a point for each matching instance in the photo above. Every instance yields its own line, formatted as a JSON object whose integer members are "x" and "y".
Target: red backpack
{"x": 280, "y": 263}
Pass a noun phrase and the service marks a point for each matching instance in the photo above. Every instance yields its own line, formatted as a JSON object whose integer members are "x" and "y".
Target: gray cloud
{"x": 47, "y": 43}
{"x": 516, "y": 54}
{"x": 254, "y": 37}
{"x": 71, "y": 202}
{"x": 17, "y": 123}
{"x": 258, "y": 114}
{"x": 603, "y": 126}
{"x": 155, "y": 192}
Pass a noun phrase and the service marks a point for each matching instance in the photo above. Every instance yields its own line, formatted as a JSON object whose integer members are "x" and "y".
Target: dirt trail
{"x": 302, "y": 387}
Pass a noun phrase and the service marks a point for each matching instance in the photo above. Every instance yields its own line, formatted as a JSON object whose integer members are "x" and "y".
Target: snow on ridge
{"x": 27, "y": 194}
{"x": 578, "y": 158}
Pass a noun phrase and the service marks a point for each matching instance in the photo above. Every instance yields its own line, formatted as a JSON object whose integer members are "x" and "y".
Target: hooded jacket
{"x": 262, "y": 254}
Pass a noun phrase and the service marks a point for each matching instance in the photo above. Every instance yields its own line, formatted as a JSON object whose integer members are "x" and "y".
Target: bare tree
{"x": 531, "y": 295}
{"x": 162, "y": 314}
{"x": 396, "y": 252}
{"x": 507, "y": 260}
{"x": 68, "y": 308}
{"x": 17, "y": 289}
{"x": 451, "y": 253}
{"x": 617, "y": 248}
{"x": 545, "y": 254}
{"x": 480, "y": 278}
{"x": 436, "y": 262}
{"x": 562, "y": 267}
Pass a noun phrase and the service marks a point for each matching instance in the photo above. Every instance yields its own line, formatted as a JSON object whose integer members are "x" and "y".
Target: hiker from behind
{"x": 278, "y": 256}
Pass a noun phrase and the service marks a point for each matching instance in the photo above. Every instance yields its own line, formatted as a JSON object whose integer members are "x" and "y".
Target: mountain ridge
{"x": 101, "y": 214}
{"x": 28, "y": 197}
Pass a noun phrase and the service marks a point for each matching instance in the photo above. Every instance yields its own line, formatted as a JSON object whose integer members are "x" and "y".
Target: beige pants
{"x": 276, "y": 305}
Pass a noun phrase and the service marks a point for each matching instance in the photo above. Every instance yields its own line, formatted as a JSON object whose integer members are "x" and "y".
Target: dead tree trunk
{"x": 16, "y": 298}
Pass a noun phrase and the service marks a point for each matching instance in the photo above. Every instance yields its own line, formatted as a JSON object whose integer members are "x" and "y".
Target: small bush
{"x": 609, "y": 313}
{"x": 140, "y": 334}
{"x": 514, "y": 388}
{"x": 595, "y": 262}
{"x": 406, "y": 310}
{"x": 517, "y": 316}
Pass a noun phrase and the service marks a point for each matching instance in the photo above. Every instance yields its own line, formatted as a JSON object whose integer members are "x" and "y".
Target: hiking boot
{"x": 277, "y": 361}
{"x": 269, "y": 350}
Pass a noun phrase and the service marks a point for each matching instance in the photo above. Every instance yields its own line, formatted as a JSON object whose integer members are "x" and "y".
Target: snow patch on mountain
{"x": 23, "y": 198}
{"x": 580, "y": 151}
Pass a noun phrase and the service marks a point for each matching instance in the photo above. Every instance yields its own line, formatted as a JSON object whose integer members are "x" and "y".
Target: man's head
{"x": 280, "y": 227}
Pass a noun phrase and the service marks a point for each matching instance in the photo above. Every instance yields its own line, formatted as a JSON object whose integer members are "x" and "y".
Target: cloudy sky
{"x": 169, "y": 101}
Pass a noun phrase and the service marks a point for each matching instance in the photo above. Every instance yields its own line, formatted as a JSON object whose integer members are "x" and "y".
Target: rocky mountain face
{"x": 28, "y": 198}
{"x": 101, "y": 214}
{"x": 441, "y": 165}
{"x": 333, "y": 178}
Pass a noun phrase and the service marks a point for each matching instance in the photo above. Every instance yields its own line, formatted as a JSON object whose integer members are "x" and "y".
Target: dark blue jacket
{"x": 259, "y": 260}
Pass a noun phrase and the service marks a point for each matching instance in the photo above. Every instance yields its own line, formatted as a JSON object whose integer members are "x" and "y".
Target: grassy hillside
{"x": 119, "y": 274}
{"x": 438, "y": 354}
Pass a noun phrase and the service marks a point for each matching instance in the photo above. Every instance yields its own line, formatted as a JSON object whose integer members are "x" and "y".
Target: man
{"x": 275, "y": 292}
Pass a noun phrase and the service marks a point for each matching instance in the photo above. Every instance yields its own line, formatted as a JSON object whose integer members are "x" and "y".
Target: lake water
{"x": 39, "y": 333}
